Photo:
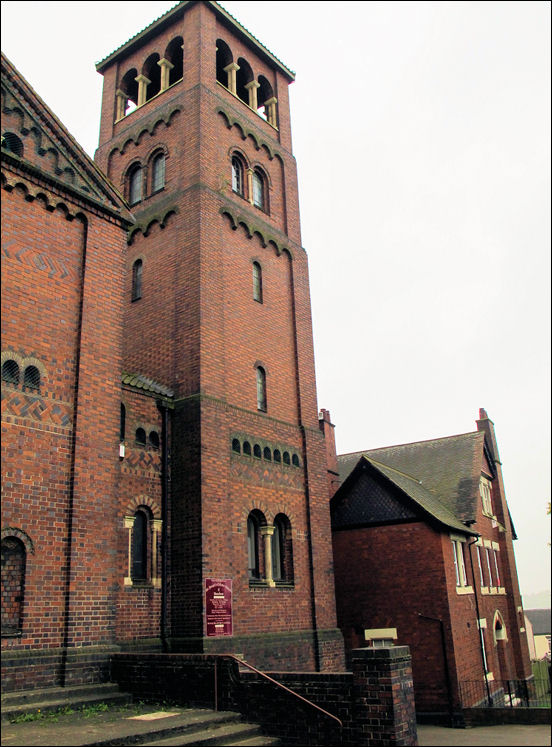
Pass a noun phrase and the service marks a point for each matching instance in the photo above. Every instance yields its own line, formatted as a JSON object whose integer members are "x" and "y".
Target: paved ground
{"x": 75, "y": 729}
{"x": 510, "y": 734}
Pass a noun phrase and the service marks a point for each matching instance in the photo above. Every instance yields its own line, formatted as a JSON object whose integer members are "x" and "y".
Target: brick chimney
{"x": 328, "y": 429}
{"x": 486, "y": 425}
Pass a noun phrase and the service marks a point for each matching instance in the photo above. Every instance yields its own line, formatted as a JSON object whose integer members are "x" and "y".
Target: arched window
{"x": 265, "y": 93}
{"x": 174, "y": 54}
{"x": 139, "y": 567}
{"x": 244, "y": 76}
{"x": 152, "y": 72}
{"x": 11, "y": 142}
{"x": 277, "y": 455}
{"x": 237, "y": 176}
{"x": 129, "y": 86}
{"x": 267, "y": 454}
{"x": 295, "y": 460}
{"x": 282, "y": 558}
{"x": 154, "y": 439}
{"x": 137, "y": 280}
{"x": 261, "y": 389}
{"x": 158, "y": 173}
{"x": 224, "y": 58}
{"x": 236, "y": 446}
{"x": 259, "y": 190}
{"x": 14, "y": 559}
{"x": 140, "y": 436}
{"x": 257, "y": 451}
{"x": 10, "y": 372}
{"x": 247, "y": 448}
{"x": 257, "y": 282}
{"x": 122, "y": 423}
{"x": 31, "y": 379}
{"x": 135, "y": 185}
{"x": 254, "y": 547}
{"x": 286, "y": 457}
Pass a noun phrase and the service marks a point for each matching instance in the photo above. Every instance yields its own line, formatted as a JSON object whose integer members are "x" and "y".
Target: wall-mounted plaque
{"x": 218, "y": 606}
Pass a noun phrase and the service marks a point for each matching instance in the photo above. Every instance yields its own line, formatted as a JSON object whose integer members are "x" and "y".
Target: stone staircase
{"x": 141, "y": 724}
{"x": 51, "y": 699}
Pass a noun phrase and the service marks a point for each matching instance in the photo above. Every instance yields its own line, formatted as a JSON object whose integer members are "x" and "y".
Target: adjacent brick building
{"x": 159, "y": 414}
{"x": 423, "y": 555}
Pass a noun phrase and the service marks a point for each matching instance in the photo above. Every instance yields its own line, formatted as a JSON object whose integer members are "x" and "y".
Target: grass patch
{"x": 89, "y": 711}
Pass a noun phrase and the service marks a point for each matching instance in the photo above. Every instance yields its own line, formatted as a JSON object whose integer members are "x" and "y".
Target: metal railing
{"x": 242, "y": 663}
{"x": 532, "y": 693}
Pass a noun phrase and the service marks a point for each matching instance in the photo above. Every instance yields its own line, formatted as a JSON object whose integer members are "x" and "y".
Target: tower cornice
{"x": 179, "y": 9}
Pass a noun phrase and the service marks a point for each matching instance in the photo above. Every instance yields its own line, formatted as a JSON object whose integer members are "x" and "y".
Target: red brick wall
{"x": 61, "y": 294}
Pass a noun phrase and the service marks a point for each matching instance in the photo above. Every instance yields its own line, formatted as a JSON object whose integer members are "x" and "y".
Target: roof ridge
{"x": 393, "y": 469}
{"x": 170, "y": 10}
{"x": 412, "y": 443}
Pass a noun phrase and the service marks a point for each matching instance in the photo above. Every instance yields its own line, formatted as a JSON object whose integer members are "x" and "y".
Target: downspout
{"x": 71, "y": 496}
{"x": 317, "y": 663}
{"x": 489, "y": 698}
{"x": 162, "y": 406}
{"x": 445, "y": 661}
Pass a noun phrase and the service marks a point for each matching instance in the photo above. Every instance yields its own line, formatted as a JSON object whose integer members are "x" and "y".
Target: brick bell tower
{"x": 195, "y": 132}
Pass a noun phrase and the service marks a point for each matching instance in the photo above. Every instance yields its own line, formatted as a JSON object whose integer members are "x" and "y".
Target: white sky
{"x": 422, "y": 135}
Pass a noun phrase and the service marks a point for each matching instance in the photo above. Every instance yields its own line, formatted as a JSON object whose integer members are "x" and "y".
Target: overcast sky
{"x": 422, "y": 135}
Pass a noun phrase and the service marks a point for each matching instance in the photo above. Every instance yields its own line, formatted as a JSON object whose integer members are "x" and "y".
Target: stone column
{"x": 231, "y": 71}
{"x": 252, "y": 88}
{"x": 121, "y": 99}
{"x": 143, "y": 83}
{"x": 155, "y": 577}
{"x": 250, "y": 185}
{"x": 166, "y": 68}
{"x": 383, "y": 697}
{"x": 129, "y": 524}
{"x": 270, "y": 110}
{"x": 267, "y": 532}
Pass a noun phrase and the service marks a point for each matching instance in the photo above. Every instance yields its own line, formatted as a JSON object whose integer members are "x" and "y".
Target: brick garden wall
{"x": 374, "y": 702}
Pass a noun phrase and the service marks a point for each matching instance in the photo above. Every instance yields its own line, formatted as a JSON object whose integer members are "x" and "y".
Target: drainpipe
{"x": 445, "y": 660}
{"x": 162, "y": 406}
{"x": 489, "y": 698}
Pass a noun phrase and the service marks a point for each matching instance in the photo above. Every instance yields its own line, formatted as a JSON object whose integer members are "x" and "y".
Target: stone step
{"x": 239, "y": 733}
{"x": 109, "y": 728}
{"x": 47, "y": 700}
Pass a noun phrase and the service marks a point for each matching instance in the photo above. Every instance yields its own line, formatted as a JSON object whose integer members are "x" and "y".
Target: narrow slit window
{"x": 237, "y": 176}
{"x": 257, "y": 282}
{"x": 261, "y": 389}
{"x": 158, "y": 173}
{"x": 137, "y": 268}
{"x": 140, "y": 547}
{"x": 259, "y": 196}
{"x": 135, "y": 186}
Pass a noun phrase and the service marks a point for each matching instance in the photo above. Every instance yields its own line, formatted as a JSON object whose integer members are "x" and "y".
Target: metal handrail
{"x": 243, "y": 663}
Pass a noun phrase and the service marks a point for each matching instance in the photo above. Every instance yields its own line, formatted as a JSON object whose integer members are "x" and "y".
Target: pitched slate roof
{"x": 358, "y": 511}
{"x": 173, "y": 13}
{"x": 540, "y": 620}
{"x": 138, "y": 381}
{"x": 448, "y": 468}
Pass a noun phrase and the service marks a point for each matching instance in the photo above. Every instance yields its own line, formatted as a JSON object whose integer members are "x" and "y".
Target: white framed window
{"x": 485, "y": 493}
{"x": 497, "y": 572}
{"x": 459, "y": 563}
{"x": 480, "y": 565}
